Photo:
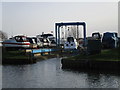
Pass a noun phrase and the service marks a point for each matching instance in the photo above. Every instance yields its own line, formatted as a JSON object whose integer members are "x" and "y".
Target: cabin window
{"x": 24, "y": 39}
{"x": 20, "y": 39}
{"x": 70, "y": 39}
{"x": 33, "y": 40}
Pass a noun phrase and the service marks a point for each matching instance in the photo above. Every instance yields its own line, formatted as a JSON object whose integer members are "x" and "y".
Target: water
{"x": 48, "y": 74}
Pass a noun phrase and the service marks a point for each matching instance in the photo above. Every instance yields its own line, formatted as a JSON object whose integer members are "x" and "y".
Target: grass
{"x": 19, "y": 54}
{"x": 105, "y": 55}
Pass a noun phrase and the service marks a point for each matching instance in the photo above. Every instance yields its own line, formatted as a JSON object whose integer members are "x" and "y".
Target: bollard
{"x": 31, "y": 58}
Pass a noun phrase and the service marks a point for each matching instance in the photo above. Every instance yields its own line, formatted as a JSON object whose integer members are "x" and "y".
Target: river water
{"x": 49, "y": 74}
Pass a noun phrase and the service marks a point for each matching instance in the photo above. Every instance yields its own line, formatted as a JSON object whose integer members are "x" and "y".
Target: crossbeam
{"x": 70, "y": 23}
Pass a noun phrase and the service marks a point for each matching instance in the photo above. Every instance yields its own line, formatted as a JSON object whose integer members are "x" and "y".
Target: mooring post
{"x": 31, "y": 56}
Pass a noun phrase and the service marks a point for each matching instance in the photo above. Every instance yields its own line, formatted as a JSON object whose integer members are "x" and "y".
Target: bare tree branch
{"x": 3, "y": 35}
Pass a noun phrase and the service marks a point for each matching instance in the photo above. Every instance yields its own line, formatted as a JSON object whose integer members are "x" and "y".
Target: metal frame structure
{"x": 57, "y": 30}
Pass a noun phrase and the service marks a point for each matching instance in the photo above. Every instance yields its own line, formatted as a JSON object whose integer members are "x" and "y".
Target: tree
{"x": 3, "y": 35}
{"x": 74, "y": 31}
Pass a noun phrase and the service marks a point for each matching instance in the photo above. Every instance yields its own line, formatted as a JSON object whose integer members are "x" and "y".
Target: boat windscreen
{"x": 70, "y": 39}
{"x": 20, "y": 39}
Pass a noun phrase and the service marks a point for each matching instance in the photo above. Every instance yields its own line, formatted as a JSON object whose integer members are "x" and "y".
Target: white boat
{"x": 71, "y": 43}
{"x": 34, "y": 42}
{"x": 47, "y": 39}
{"x": 17, "y": 42}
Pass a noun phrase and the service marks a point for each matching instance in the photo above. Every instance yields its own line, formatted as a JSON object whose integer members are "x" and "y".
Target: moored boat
{"x": 17, "y": 42}
{"x": 71, "y": 43}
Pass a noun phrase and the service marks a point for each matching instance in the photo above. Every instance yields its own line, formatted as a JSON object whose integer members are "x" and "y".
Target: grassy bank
{"x": 107, "y": 60}
{"x": 19, "y": 54}
{"x": 23, "y": 57}
{"x": 15, "y": 57}
{"x": 105, "y": 55}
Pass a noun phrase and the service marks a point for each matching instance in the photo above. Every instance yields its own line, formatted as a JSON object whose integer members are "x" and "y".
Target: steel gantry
{"x": 57, "y": 30}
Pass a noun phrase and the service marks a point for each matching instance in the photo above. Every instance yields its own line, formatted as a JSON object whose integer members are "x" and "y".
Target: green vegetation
{"x": 105, "y": 55}
{"x": 22, "y": 55}
{"x": 19, "y": 54}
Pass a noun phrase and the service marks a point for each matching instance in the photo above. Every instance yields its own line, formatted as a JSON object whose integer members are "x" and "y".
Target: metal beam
{"x": 71, "y": 23}
{"x": 84, "y": 31}
{"x": 56, "y": 34}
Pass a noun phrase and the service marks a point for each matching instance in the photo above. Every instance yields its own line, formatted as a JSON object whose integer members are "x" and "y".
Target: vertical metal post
{"x": 56, "y": 34}
{"x": 84, "y": 27}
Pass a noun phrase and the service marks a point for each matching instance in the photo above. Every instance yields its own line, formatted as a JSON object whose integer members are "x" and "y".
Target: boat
{"x": 19, "y": 41}
{"x": 47, "y": 39}
{"x": 110, "y": 40}
{"x": 34, "y": 42}
{"x": 71, "y": 43}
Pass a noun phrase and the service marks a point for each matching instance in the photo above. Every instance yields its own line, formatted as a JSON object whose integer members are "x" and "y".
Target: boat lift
{"x": 57, "y": 30}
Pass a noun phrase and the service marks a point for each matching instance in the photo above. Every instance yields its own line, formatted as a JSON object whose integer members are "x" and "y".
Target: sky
{"x": 32, "y": 18}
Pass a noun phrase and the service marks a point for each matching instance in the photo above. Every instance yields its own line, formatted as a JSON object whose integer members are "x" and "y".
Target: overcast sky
{"x": 33, "y": 18}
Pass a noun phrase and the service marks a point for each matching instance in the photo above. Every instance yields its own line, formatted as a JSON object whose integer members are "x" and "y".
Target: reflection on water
{"x": 48, "y": 74}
